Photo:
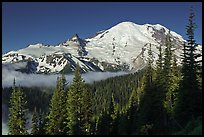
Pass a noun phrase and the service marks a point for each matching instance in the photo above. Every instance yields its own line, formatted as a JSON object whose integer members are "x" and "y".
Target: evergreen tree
{"x": 86, "y": 113}
{"x": 43, "y": 128}
{"x": 145, "y": 108}
{"x": 35, "y": 126}
{"x": 171, "y": 80}
{"x": 17, "y": 113}
{"x": 189, "y": 94}
{"x": 166, "y": 85}
{"x": 103, "y": 124}
{"x": 78, "y": 106}
{"x": 159, "y": 69}
{"x": 167, "y": 56}
{"x": 57, "y": 115}
{"x": 149, "y": 70}
{"x": 112, "y": 117}
{"x": 175, "y": 77}
{"x": 107, "y": 122}
{"x": 151, "y": 114}
{"x": 132, "y": 113}
{"x": 115, "y": 115}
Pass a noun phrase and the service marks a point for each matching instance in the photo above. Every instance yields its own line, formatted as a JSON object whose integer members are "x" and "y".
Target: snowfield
{"x": 122, "y": 47}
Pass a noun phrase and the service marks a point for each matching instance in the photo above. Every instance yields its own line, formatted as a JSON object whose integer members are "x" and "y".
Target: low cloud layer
{"x": 40, "y": 80}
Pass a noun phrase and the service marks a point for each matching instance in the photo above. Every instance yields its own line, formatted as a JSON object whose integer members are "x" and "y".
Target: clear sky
{"x": 25, "y": 23}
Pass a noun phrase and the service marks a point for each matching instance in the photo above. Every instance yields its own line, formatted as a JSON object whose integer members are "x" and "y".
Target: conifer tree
{"x": 57, "y": 115}
{"x": 87, "y": 113}
{"x": 107, "y": 123}
{"x": 132, "y": 113}
{"x": 103, "y": 123}
{"x": 167, "y": 83}
{"x": 188, "y": 96}
{"x": 151, "y": 115}
{"x": 78, "y": 106}
{"x": 112, "y": 117}
{"x": 149, "y": 71}
{"x": 17, "y": 113}
{"x": 35, "y": 126}
{"x": 175, "y": 76}
{"x": 170, "y": 83}
{"x": 159, "y": 68}
{"x": 107, "y": 120}
{"x": 145, "y": 108}
{"x": 167, "y": 56}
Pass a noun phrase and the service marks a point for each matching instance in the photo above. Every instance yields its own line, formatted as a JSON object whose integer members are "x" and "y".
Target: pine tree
{"x": 78, "y": 106}
{"x": 112, "y": 117}
{"x": 174, "y": 86}
{"x": 167, "y": 84}
{"x": 149, "y": 71}
{"x": 57, "y": 115}
{"x": 87, "y": 113}
{"x": 107, "y": 123}
{"x": 132, "y": 112}
{"x": 159, "y": 69}
{"x": 103, "y": 124}
{"x": 189, "y": 96}
{"x": 108, "y": 120}
{"x": 167, "y": 57}
{"x": 145, "y": 108}
{"x": 35, "y": 126}
{"x": 17, "y": 113}
{"x": 151, "y": 114}
{"x": 170, "y": 83}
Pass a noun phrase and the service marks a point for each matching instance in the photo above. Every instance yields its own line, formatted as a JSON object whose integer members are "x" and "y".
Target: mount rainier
{"x": 122, "y": 47}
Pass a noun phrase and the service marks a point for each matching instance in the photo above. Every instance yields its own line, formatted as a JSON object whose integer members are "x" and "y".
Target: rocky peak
{"x": 74, "y": 38}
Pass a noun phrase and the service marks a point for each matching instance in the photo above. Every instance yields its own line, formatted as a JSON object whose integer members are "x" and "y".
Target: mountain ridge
{"x": 122, "y": 47}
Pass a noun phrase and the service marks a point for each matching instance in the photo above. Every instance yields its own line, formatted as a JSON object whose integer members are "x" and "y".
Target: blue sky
{"x": 25, "y": 23}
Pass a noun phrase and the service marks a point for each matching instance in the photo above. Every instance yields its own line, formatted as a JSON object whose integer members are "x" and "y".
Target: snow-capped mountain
{"x": 122, "y": 47}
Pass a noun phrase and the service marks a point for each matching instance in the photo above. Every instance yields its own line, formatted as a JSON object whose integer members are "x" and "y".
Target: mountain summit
{"x": 122, "y": 47}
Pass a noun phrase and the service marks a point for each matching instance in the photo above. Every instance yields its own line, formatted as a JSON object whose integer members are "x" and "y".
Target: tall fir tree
{"x": 87, "y": 112}
{"x": 145, "y": 107}
{"x": 17, "y": 112}
{"x": 112, "y": 117}
{"x": 107, "y": 123}
{"x": 78, "y": 106}
{"x": 167, "y": 83}
{"x": 132, "y": 112}
{"x": 175, "y": 77}
{"x": 167, "y": 56}
{"x": 149, "y": 70}
{"x": 57, "y": 116}
{"x": 170, "y": 82}
{"x": 188, "y": 106}
{"x": 151, "y": 114}
{"x": 159, "y": 68}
